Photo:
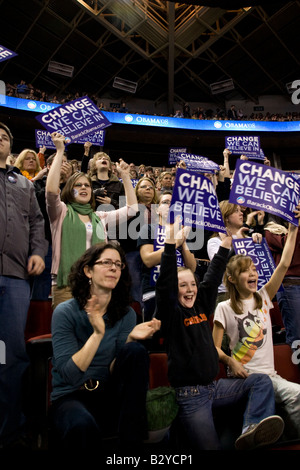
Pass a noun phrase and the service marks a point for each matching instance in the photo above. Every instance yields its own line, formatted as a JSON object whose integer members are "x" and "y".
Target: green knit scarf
{"x": 73, "y": 238}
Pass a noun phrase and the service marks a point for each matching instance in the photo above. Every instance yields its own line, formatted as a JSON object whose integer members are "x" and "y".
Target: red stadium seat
{"x": 38, "y": 318}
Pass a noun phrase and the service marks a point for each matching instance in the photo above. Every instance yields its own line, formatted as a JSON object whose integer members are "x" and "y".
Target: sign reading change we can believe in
{"x": 261, "y": 257}
{"x": 75, "y": 119}
{"x": 194, "y": 199}
{"x": 247, "y": 145}
{"x": 43, "y": 138}
{"x": 262, "y": 187}
{"x": 198, "y": 163}
{"x": 6, "y": 54}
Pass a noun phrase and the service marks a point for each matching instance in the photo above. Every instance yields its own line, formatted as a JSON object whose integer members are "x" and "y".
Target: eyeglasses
{"x": 146, "y": 187}
{"x": 107, "y": 263}
{"x": 79, "y": 185}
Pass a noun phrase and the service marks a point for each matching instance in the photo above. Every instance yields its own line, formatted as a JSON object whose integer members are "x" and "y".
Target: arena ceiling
{"x": 172, "y": 51}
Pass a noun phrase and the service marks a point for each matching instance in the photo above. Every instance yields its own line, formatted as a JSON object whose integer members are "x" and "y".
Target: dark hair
{"x": 7, "y": 130}
{"x": 51, "y": 157}
{"x": 67, "y": 195}
{"x": 165, "y": 193}
{"x": 80, "y": 287}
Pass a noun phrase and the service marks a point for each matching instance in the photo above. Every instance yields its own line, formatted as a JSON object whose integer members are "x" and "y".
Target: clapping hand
{"x": 144, "y": 330}
{"x": 95, "y": 314}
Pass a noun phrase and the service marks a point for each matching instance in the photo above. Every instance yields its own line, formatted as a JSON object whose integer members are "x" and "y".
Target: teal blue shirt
{"x": 70, "y": 331}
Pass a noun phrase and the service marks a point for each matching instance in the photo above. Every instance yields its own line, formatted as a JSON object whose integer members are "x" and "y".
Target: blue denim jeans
{"x": 135, "y": 266}
{"x": 79, "y": 420}
{"x": 197, "y": 405}
{"x": 41, "y": 285}
{"x": 14, "y": 304}
{"x": 289, "y": 303}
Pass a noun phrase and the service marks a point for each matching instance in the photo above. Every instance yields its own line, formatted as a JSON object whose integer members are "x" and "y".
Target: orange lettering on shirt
{"x": 195, "y": 319}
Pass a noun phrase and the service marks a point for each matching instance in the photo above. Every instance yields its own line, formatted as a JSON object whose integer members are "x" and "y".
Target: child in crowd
{"x": 245, "y": 319}
{"x": 193, "y": 364}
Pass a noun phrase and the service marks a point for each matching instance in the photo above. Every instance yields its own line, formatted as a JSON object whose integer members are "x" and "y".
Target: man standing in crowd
{"x": 232, "y": 113}
{"x": 22, "y": 251}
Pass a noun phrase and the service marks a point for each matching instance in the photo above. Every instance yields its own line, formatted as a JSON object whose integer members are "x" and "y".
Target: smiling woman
{"x": 100, "y": 367}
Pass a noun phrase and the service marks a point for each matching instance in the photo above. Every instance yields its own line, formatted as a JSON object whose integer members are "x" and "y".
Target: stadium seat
{"x": 39, "y": 382}
{"x": 38, "y": 318}
{"x": 284, "y": 364}
{"x": 38, "y": 388}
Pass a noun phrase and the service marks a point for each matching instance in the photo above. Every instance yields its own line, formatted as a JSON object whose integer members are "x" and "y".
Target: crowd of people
{"x": 95, "y": 237}
{"x": 28, "y": 91}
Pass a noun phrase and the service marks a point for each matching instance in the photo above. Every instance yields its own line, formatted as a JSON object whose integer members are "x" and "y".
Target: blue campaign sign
{"x": 159, "y": 242}
{"x": 96, "y": 138}
{"x": 43, "y": 138}
{"x": 194, "y": 199}
{"x": 75, "y": 119}
{"x": 6, "y": 54}
{"x": 262, "y": 187}
{"x": 261, "y": 256}
{"x": 174, "y": 152}
{"x": 134, "y": 181}
{"x": 296, "y": 176}
{"x": 244, "y": 145}
{"x": 198, "y": 163}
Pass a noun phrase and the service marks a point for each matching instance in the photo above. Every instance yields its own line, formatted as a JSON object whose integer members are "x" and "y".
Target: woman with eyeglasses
{"x": 151, "y": 246}
{"x": 100, "y": 369}
{"x": 75, "y": 225}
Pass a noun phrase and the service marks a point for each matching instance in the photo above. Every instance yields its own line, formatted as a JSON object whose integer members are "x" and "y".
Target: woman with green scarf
{"x": 75, "y": 225}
